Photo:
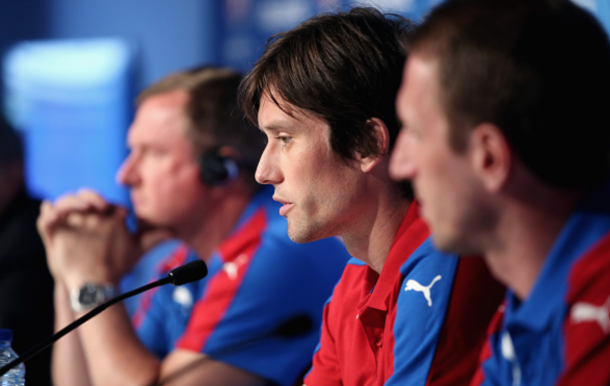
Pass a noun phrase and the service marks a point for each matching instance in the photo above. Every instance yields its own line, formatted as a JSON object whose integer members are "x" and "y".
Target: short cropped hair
{"x": 212, "y": 114}
{"x": 538, "y": 69}
{"x": 344, "y": 68}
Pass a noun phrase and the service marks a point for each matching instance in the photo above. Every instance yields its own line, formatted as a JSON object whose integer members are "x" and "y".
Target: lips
{"x": 285, "y": 209}
{"x": 286, "y": 206}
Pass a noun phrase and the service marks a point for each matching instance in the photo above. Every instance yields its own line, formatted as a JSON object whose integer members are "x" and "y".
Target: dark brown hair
{"x": 212, "y": 114}
{"x": 344, "y": 68}
{"x": 538, "y": 69}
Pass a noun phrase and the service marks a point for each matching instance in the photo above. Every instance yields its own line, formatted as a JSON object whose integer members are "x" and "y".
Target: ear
{"x": 491, "y": 156}
{"x": 382, "y": 137}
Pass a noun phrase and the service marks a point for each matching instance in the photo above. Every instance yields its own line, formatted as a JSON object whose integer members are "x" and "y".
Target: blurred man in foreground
{"x": 191, "y": 174}
{"x": 506, "y": 138}
{"x": 403, "y": 313}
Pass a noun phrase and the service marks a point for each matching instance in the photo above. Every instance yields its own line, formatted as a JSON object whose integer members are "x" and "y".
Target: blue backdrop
{"x": 70, "y": 92}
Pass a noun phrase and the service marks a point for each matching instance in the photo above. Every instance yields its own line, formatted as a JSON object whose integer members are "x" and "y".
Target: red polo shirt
{"x": 377, "y": 330}
{"x": 356, "y": 346}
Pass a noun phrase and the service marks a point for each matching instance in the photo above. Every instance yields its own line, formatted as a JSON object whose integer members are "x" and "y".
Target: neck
{"x": 371, "y": 238}
{"x": 528, "y": 227}
{"x": 217, "y": 221}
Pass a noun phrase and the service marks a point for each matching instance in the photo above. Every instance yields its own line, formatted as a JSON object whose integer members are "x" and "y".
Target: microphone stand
{"x": 193, "y": 271}
{"x": 53, "y": 338}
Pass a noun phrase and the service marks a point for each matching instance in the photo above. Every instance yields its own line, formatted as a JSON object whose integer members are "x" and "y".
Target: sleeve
{"x": 420, "y": 313}
{"x": 236, "y": 319}
{"x": 438, "y": 337}
{"x": 325, "y": 368}
{"x": 475, "y": 298}
{"x": 586, "y": 328}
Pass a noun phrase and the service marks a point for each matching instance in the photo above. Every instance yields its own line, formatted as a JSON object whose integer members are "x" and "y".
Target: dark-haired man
{"x": 507, "y": 141}
{"x": 191, "y": 173}
{"x": 402, "y": 313}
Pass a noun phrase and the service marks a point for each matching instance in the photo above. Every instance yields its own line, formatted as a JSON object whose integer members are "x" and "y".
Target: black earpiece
{"x": 217, "y": 170}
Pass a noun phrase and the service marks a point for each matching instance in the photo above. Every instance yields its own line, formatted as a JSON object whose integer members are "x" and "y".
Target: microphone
{"x": 188, "y": 273}
{"x": 298, "y": 325}
{"x": 290, "y": 328}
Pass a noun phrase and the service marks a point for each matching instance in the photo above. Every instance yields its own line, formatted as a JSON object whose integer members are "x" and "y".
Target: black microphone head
{"x": 188, "y": 273}
{"x": 297, "y": 325}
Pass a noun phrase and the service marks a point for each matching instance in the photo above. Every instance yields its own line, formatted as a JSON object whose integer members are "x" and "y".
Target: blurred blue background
{"x": 72, "y": 68}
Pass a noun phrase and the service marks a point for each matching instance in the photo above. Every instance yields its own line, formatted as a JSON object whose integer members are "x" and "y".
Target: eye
{"x": 154, "y": 152}
{"x": 284, "y": 139}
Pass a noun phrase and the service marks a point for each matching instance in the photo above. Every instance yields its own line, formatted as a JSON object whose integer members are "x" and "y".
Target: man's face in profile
{"x": 443, "y": 179}
{"x": 317, "y": 188}
{"x": 161, "y": 170}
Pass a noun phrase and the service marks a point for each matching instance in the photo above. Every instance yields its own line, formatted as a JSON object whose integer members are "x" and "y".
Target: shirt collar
{"x": 586, "y": 226}
{"x": 411, "y": 234}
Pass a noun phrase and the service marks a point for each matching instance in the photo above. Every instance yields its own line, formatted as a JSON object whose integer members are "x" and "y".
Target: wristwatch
{"x": 90, "y": 296}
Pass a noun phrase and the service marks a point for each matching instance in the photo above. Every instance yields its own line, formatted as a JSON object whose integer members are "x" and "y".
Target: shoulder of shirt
{"x": 591, "y": 272}
{"x": 357, "y": 262}
{"x": 428, "y": 251}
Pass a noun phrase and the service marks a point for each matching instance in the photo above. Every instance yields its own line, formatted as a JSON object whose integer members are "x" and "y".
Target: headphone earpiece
{"x": 217, "y": 170}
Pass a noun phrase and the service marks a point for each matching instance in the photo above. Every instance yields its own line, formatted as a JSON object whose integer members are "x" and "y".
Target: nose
{"x": 127, "y": 174}
{"x": 268, "y": 171}
{"x": 402, "y": 166}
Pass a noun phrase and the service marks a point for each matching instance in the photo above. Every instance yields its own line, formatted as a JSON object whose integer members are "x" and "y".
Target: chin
{"x": 302, "y": 235}
{"x": 452, "y": 244}
{"x": 299, "y": 238}
{"x": 151, "y": 219}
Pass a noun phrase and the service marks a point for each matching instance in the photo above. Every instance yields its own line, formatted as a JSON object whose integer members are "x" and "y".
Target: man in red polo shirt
{"x": 402, "y": 313}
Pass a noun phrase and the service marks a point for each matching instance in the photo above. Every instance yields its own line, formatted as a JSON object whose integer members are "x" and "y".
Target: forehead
{"x": 160, "y": 119}
{"x": 289, "y": 118}
{"x": 420, "y": 81}
{"x": 419, "y": 96}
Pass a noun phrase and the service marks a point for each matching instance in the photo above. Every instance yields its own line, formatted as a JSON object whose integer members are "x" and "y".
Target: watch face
{"x": 89, "y": 295}
{"x": 94, "y": 295}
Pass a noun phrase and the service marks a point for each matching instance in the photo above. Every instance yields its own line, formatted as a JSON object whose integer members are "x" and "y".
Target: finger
{"x": 44, "y": 220}
{"x": 48, "y": 217}
{"x": 72, "y": 203}
{"x": 94, "y": 199}
{"x": 121, "y": 212}
{"x": 75, "y": 220}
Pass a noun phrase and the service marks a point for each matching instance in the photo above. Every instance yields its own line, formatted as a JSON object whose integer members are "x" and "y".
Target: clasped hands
{"x": 87, "y": 240}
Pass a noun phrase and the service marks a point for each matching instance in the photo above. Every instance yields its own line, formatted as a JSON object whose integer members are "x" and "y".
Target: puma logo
{"x": 415, "y": 286}
{"x": 232, "y": 267}
{"x": 587, "y": 312}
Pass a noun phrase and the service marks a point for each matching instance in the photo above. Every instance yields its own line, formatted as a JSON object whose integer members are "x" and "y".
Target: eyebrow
{"x": 279, "y": 126}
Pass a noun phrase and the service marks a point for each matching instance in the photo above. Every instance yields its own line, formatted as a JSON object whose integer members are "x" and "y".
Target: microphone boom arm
{"x": 193, "y": 271}
{"x": 55, "y": 337}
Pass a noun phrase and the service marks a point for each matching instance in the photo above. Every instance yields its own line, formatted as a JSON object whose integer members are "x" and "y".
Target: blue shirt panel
{"x": 418, "y": 323}
{"x": 529, "y": 348}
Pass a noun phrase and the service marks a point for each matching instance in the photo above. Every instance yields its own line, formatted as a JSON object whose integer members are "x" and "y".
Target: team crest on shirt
{"x": 183, "y": 297}
{"x": 413, "y": 285}
{"x": 587, "y": 312}
{"x": 232, "y": 267}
